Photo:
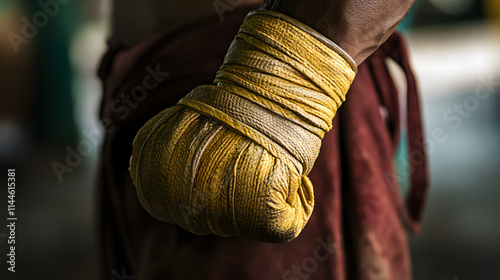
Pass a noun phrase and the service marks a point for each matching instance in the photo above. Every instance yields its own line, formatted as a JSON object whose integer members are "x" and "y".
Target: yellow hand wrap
{"x": 232, "y": 159}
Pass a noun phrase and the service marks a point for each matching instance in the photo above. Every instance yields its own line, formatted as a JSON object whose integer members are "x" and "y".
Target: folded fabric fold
{"x": 232, "y": 158}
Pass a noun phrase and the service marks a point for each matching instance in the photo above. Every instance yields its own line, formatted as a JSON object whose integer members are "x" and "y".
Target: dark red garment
{"x": 357, "y": 228}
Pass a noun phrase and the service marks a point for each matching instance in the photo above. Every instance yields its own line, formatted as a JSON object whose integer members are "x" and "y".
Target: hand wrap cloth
{"x": 232, "y": 159}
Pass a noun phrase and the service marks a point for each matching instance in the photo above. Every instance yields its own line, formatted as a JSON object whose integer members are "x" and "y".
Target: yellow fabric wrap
{"x": 232, "y": 158}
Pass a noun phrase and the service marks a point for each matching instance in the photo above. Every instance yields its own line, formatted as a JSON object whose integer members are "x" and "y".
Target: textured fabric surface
{"x": 232, "y": 159}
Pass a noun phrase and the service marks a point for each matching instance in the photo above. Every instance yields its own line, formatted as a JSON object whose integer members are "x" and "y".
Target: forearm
{"x": 359, "y": 27}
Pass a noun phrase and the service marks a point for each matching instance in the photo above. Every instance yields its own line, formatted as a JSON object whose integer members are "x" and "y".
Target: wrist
{"x": 312, "y": 32}
{"x": 324, "y": 20}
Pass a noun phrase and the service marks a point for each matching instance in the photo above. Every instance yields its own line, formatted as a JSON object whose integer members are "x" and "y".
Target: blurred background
{"x": 49, "y": 106}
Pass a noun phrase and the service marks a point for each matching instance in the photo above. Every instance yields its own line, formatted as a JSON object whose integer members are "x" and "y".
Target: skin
{"x": 359, "y": 27}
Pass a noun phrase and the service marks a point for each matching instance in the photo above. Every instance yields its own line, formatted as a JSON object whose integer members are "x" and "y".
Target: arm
{"x": 359, "y": 27}
{"x": 232, "y": 158}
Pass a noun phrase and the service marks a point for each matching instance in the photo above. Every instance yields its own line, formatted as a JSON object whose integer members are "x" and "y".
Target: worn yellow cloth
{"x": 232, "y": 159}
